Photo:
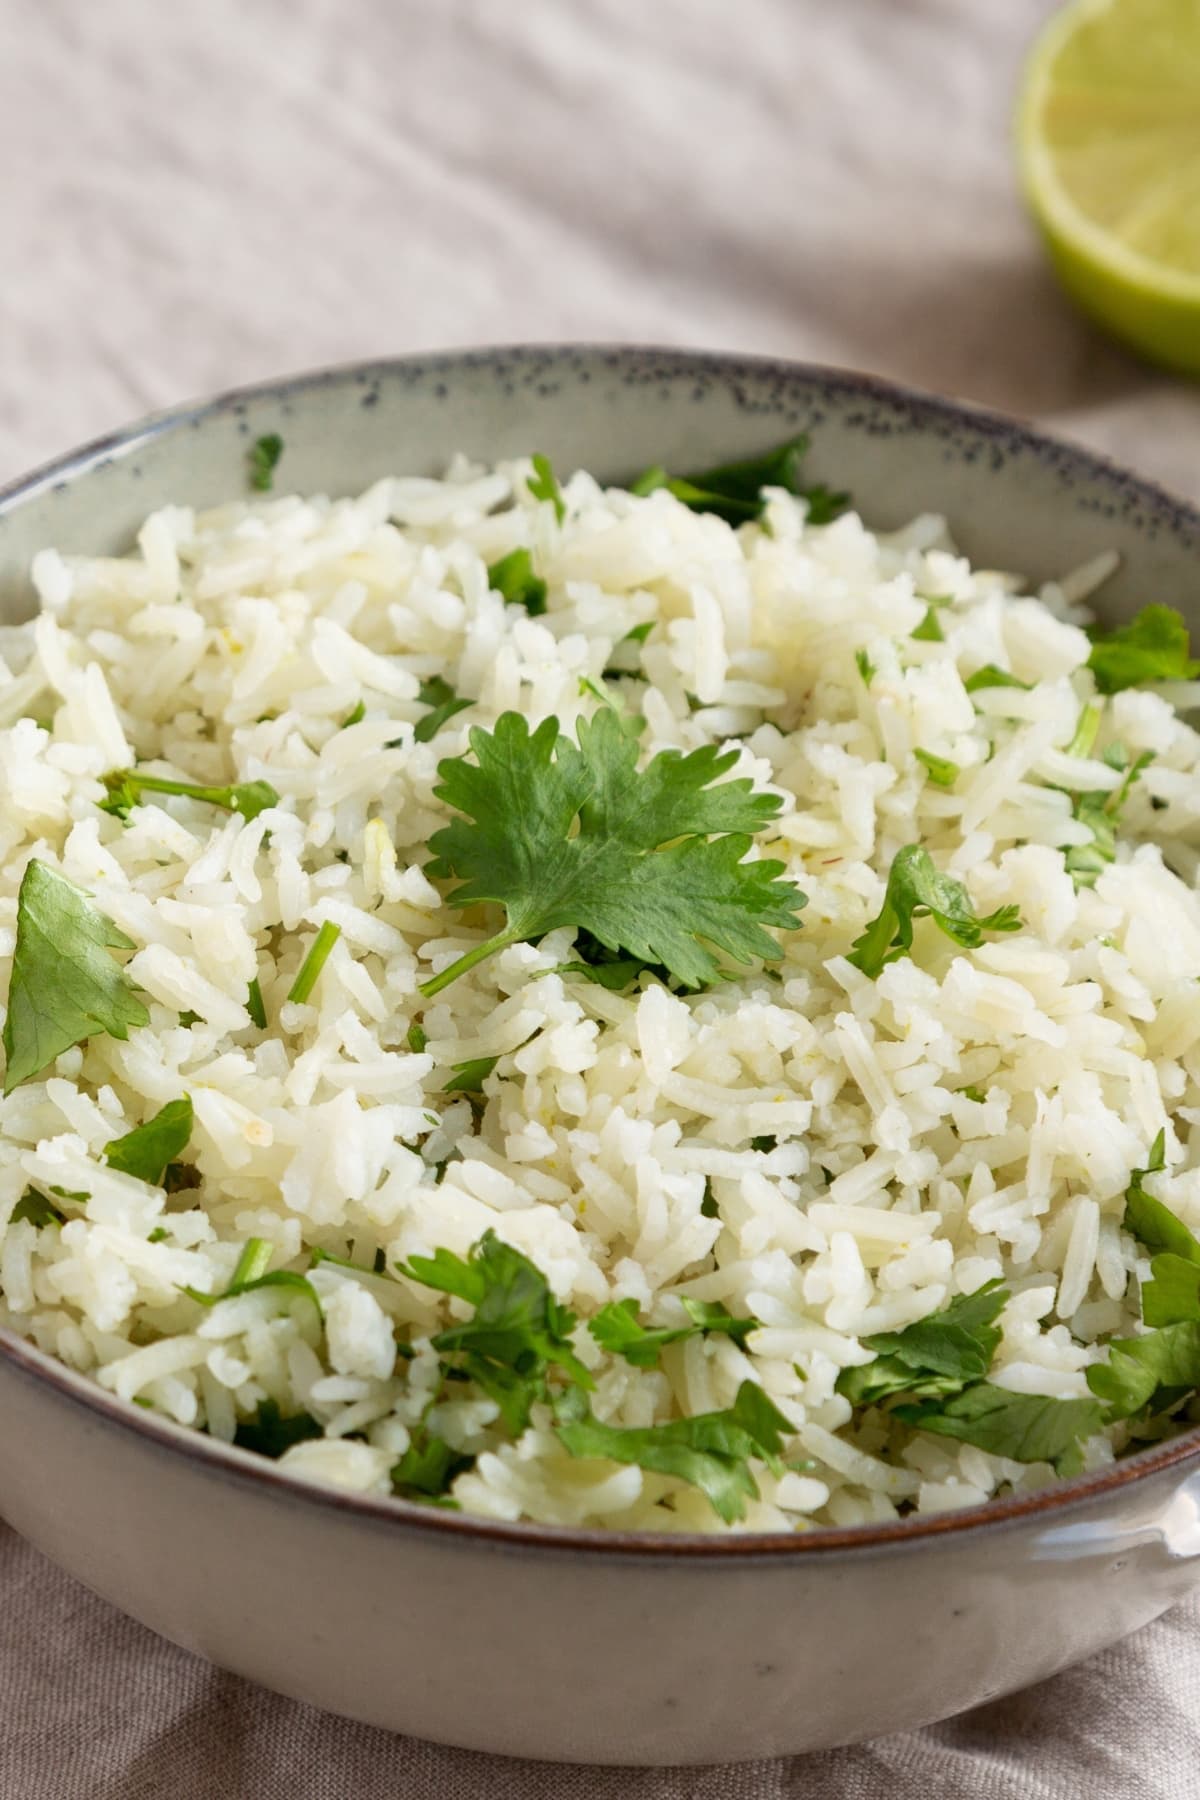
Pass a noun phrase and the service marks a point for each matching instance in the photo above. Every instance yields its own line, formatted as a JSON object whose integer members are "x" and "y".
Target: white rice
{"x": 232, "y": 644}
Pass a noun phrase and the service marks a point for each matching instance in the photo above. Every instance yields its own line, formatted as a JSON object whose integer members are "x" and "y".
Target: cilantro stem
{"x": 314, "y": 962}
{"x": 469, "y": 961}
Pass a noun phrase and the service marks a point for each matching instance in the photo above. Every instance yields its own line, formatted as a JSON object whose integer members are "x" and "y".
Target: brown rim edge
{"x": 224, "y": 1460}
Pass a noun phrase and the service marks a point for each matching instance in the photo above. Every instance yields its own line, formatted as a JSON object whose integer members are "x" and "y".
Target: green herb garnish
{"x": 1026, "y": 1427}
{"x": 36, "y": 1210}
{"x": 616, "y": 1329}
{"x": 990, "y": 676}
{"x": 514, "y": 580}
{"x": 712, "y": 1451}
{"x": 251, "y": 1273}
{"x": 734, "y": 490}
{"x": 518, "y": 845}
{"x": 444, "y": 703}
{"x": 314, "y": 962}
{"x": 65, "y": 985}
{"x": 126, "y": 787}
{"x": 270, "y": 1432}
{"x": 147, "y": 1149}
{"x": 917, "y": 889}
{"x": 937, "y": 1356}
{"x": 469, "y": 1077}
{"x": 264, "y": 457}
{"x": 940, "y": 769}
{"x": 1154, "y": 646}
{"x": 518, "y": 1333}
{"x": 543, "y": 485}
{"x": 929, "y": 631}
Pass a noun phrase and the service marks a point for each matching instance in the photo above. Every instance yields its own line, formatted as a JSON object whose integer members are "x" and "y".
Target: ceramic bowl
{"x": 562, "y": 1643}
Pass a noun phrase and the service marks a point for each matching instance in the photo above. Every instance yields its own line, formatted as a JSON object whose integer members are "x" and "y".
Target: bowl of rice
{"x": 600, "y": 954}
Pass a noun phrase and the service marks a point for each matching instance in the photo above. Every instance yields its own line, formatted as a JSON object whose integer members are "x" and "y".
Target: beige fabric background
{"x": 201, "y": 192}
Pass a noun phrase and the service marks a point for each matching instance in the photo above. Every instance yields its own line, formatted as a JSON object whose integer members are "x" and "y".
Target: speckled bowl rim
{"x": 228, "y": 1463}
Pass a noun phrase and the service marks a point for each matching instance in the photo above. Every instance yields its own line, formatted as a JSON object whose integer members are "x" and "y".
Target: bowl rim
{"x": 227, "y": 1461}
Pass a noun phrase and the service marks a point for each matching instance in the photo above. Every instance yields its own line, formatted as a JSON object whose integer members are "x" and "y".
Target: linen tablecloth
{"x": 198, "y": 195}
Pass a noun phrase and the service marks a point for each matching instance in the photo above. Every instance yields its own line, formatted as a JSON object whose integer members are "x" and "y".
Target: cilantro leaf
{"x": 711, "y": 1451}
{"x": 64, "y": 984}
{"x": 1152, "y": 647}
{"x": 929, "y": 631}
{"x": 443, "y": 700}
{"x": 1137, "y": 1367}
{"x": 147, "y": 1149}
{"x": 1152, "y": 1223}
{"x": 916, "y": 888}
{"x": 469, "y": 1077}
{"x": 940, "y": 769}
{"x": 264, "y": 458}
{"x": 270, "y": 1432}
{"x": 1025, "y": 1427}
{"x": 36, "y": 1210}
{"x": 250, "y": 1275}
{"x": 355, "y": 716}
{"x": 939, "y": 1354}
{"x": 1101, "y": 813}
{"x": 427, "y": 1468}
{"x": 514, "y": 580}
{"x": 519, "y": 1331}
{"x": 616, "y": 1329}
{"x": 126, "y": 787}
{"x": 543, "y": 485}
{"x": 865, "y": 667}
{"x": 644, "y": 873}
{"x": 254, "y": 1004}
{"x": 734, "y": 490}
{"x": 990, "y": 676}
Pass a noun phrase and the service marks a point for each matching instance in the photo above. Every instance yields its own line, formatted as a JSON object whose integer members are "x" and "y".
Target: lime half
{"x": 1109, "y": 141}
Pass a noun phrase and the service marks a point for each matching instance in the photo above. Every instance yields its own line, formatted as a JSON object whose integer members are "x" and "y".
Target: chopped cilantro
{"x": 427, "y": 1468}
{"x": 469, "y": 1077}
{"x": 36, "y": 1210}
{"x": 126, "y": 787}
{"x": 518, "y": 1332}
{"x": 251, "y": 1274}
{"x": 711, "y": 1451}
{"x": 444, "y": 702}
{"x": 264, "y": 458}
{"x": 990, "y": 676}
{"x": 940, "y": 769}
{"x": 1152, "y": 647}
{"x": 1101, "y": 813}
{"x": 865, "y": 667}
{"x": 355, "y": 716}
{"x": 543, "y": 485}
{"x": 270, "y": 1432}
{"x": 254, "y": 1004}
{"x": 916, "y": 889}
{"x": 929, "y": 631}
{"x": 514, "y": 580}
{"x": 64, "y": 984}
{"x": 314, "y": 962}
{"x": 415, "y": 1038}
{"x": 616, "y": 1329}
{"x": 147, "y": 1149}
{"x": 517, "y": 845}
{"x": 1026, "y": 1427}
{"x": 734, "y": 490}
{"x": 937, "y": 1356}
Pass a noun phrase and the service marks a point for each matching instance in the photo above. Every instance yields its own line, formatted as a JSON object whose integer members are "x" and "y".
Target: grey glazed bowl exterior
{"x": 557, "y": 1643}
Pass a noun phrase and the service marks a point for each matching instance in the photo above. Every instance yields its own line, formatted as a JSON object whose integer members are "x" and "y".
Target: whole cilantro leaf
{"x": 643, "y": 873}
{"x": 1025, "y": 1427}
{"x": 616, "y": 1329}
{"x": 519, "y": 1331}
{"x": 65, "y": 985}
{"x": 1154, "y": 646}
{"x": 916, "y": 888}
{"x": 711, "y": 1451}
{"x": 1149, "y": 1220}
{"x": 147, "y": 1149}
{"x": 939, "y": 1354}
